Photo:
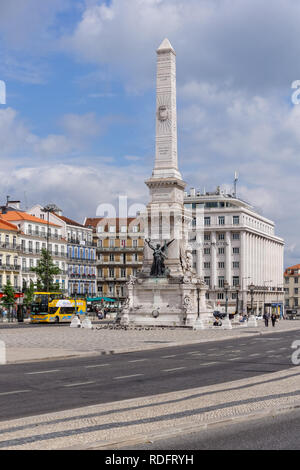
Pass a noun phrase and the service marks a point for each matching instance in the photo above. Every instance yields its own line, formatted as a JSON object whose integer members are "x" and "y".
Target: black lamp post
{"x": 75, "y": 297}
{"x": 251, "y": 288}
{"x": 49, "y": 208}
{"x": 226, "y": 288}
{"x": 237, "y": 299}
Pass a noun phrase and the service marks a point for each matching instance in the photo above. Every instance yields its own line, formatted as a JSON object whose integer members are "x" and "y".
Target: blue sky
{"x": 78, "y": 127}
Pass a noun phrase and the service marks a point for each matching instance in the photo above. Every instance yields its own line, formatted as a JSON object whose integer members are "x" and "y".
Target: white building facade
{"x": 32, "y": 239}
{"x": 233, "y": 244}
{"x": 80, "y": 254}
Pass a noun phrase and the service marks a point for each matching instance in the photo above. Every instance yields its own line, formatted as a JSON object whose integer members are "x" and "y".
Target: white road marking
{"x": 171, "y": 370}
{"x": 255, "y": 354}
{"x": 43, "y": 372}
{"x": 165, "y": 357}
{"x": 207, "y": 363}
{"x": 234, "y": 359}
{"x": 78, "y": 384}
{"x": 198, "y": 354}
{"x": 128, "y": 376}
{"x": 97, "y": 365}
{"x": 15, "y": 391}
{"x": 139, "y": 360}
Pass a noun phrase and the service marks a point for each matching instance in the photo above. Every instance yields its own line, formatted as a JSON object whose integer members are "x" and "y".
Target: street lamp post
{"x": 226, "y": 322}
{"x": 198, "y": 325}
{"x": 237, "y": 300}
{"x": 75, "y": 297}
{"x": 49, "y": 208}
{"x": 252, "y": 322}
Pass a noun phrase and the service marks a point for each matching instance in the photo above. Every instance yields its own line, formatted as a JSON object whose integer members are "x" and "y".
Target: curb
{"x": 150, "y": 438}
{"x": 150, "y": 347}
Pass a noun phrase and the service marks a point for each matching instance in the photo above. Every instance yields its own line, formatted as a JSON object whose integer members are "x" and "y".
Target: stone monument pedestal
{"x": 165, "y": 301}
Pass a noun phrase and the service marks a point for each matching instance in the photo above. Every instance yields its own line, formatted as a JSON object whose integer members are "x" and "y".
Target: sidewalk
{"x": 126, "y": 423}
{"x": 50, "y": 342}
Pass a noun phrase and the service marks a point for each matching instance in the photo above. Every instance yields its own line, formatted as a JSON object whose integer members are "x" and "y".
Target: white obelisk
{"x": 166, "y": 162}
{"x": 165, "y": 219}
{"x": 172, "y": 297}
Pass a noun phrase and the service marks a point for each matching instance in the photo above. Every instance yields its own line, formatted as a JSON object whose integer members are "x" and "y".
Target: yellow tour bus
{"x": 52, "y": 307}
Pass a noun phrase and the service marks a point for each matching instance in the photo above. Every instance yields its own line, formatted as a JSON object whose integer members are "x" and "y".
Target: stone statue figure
{"x": 159, "y": 255}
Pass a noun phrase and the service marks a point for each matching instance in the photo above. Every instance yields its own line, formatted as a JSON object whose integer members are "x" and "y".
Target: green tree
{"x": 29, "y": 295}
{"x": 46, "y": 270}
{"x": 8, "y": 298}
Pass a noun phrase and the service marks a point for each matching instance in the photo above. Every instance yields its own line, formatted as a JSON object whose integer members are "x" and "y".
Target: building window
{"x": 134, "y": 243}
{"x": 220, "y": 296}
{"x": 235, "y": 264}
{"x": 221, "y": 265}
{"x": 100, "y": 229}
{"x": 235, "y": 281}
{"x": 112, "y": 229}
{"x": 206, "y": 220}
{"x": 207, "y": 251}
{"x": 221, "y": 281}
{"x": 236, "y": 219}
{"x": 206, "y": 265}
{"x": 135, "y": 228}
{"x": 221, "y": 251}
{"x": 111, "y": 242}
{"x": 207, "y": 280}
{"x": 111, "y": 272}
{"x": 123, "y": 272}
{"x": 221, "y": 220}
{"x": 111, "y": 257}
{"x": 296, "y": 290}
{"x": 207, "y": 237}
{"x": 235, "y": 236}
{"x": 295, "y": 280}
{"x": 235, "y": 250}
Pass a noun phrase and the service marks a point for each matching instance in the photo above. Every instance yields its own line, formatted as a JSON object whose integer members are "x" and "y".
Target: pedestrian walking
{"x": 273, "y": 319}
{"x": 266, "y": 317}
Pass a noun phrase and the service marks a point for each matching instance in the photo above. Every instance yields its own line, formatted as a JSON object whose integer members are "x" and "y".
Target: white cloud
{"x": 76, "y": 189}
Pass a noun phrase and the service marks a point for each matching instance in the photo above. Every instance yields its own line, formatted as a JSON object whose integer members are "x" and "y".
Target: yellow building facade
{"x": 120, "y": 245}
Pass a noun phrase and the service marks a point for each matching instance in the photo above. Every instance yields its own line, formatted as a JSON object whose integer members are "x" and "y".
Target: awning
{"x": 100, "y": 299}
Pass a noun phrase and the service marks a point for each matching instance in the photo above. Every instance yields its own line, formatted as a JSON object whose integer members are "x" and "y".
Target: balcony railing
{"x": 120, "y": 248}
{"x": 10, "y": 246}
{"x": 41, "y": 234}
{"x": 10, "y": 267}
{"x": 76, "y": 241}
{"x": 81, "y": 260}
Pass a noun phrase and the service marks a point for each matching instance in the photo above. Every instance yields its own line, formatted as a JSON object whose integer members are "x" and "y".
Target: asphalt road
{"x": 280, "y": 432}
{"x": 40, "y": 387}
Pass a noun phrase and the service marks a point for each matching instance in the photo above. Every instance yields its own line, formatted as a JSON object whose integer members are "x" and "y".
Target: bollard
{"x": 75, "y": 323}
{"x": 87, "y": 324}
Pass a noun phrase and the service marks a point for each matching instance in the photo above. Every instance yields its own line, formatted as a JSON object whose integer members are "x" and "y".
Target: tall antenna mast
{"x": 236, "y": 177}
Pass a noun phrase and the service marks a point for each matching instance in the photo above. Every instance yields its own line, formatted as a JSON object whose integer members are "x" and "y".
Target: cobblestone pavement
{"x": 125, "y": 423}
{"x": 47, "y": 342}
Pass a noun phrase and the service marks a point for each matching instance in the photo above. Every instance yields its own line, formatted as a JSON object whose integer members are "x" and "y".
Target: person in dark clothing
{"x": 266, "y": 318}
{"x": 273, "y": 319}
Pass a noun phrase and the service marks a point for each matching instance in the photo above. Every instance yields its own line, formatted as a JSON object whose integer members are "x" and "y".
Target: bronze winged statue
{"x": 160, "y": 253}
